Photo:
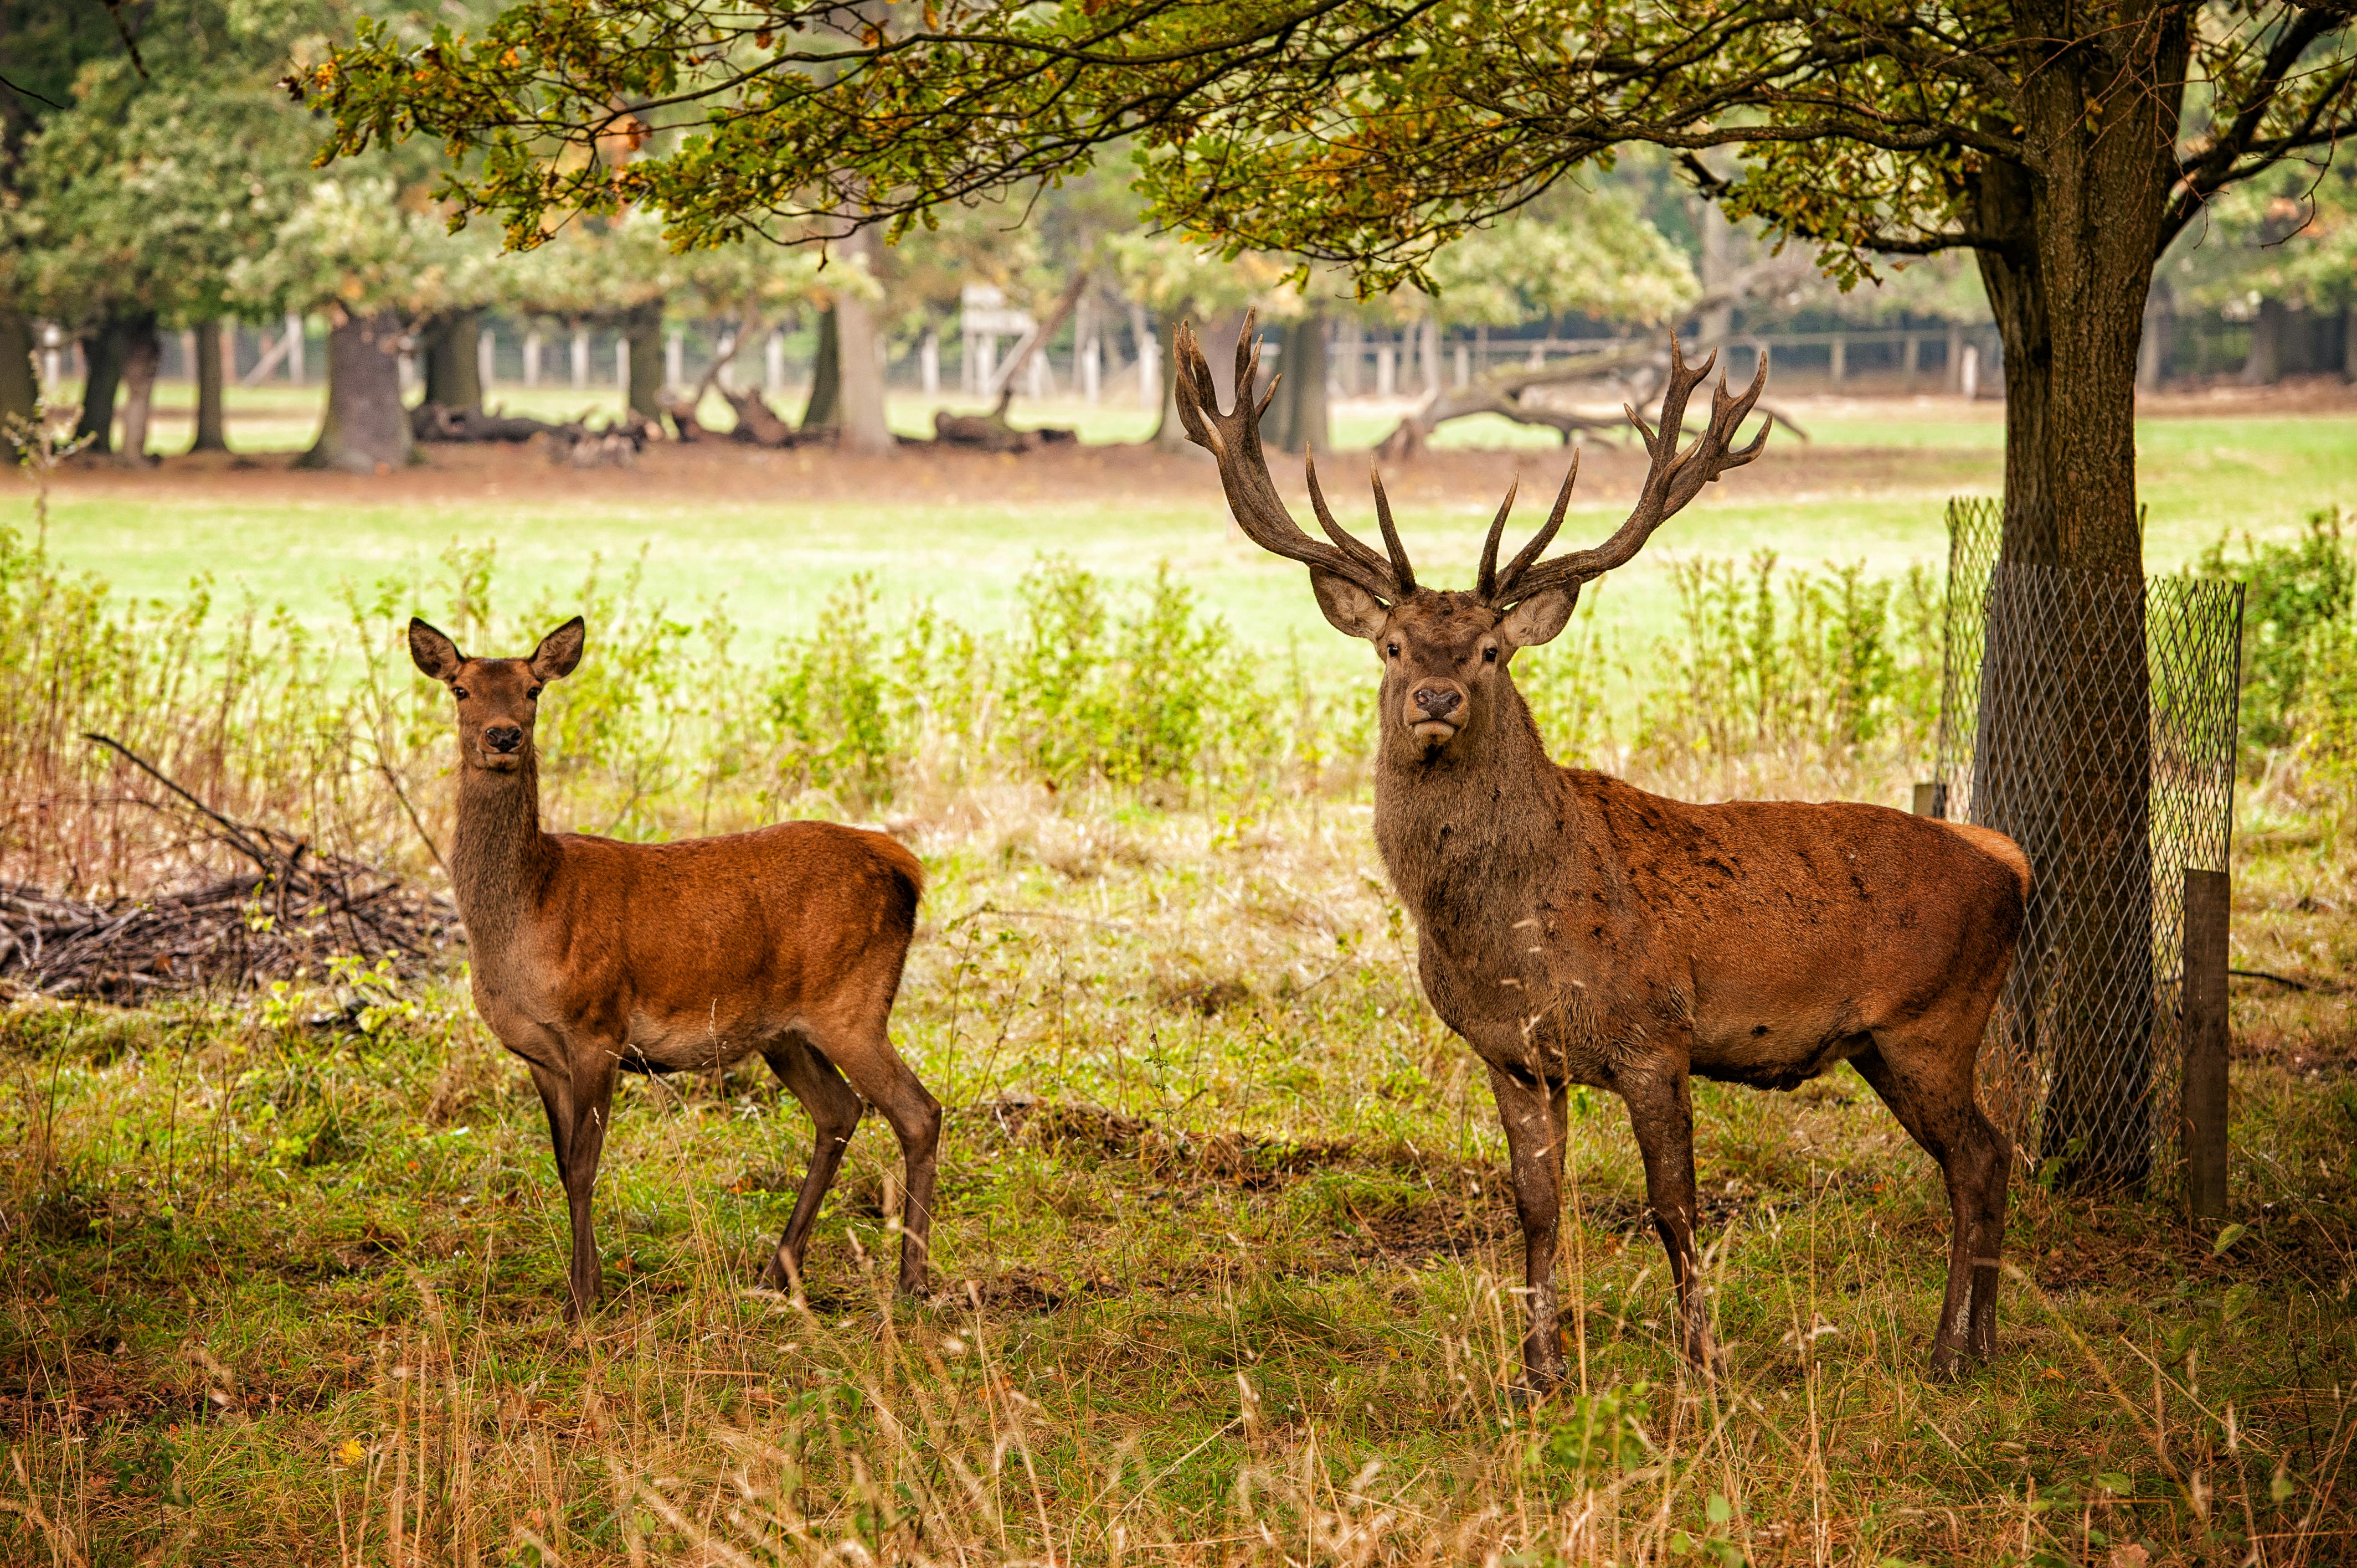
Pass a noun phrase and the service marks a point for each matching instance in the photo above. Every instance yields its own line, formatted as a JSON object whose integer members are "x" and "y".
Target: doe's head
{"x": 1445, "y": 654}
{"x": 499, "y": 699}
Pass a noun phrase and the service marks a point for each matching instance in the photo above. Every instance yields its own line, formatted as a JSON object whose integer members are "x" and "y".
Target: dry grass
{"x": 1228, "y": 1275}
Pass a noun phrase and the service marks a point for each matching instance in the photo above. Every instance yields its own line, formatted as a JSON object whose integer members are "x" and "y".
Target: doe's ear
{"x": 1538, "y": 618}
{"x": 1349, "y": 608}
{"x": 560, "y": 651}
{"x": 433, "y": 652}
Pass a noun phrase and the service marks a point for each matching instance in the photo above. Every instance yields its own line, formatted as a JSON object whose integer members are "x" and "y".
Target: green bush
{"x": 2296, "y": 606}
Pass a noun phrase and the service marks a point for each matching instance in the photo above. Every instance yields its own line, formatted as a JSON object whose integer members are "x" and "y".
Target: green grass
{"x": 278, "y": 1291}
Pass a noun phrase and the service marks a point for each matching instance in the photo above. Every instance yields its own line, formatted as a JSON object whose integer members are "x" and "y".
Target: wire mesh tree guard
{"x": 2091, "y": 718}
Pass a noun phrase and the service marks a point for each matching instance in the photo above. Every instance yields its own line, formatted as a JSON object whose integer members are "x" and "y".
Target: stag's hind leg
{"x": 1928, "y": 1084}
{"x": 834, "y": 1110}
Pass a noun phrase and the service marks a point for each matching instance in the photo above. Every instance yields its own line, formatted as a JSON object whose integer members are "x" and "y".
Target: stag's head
{"x": 498, "y": 699}
{"x": 1445, "y": 654}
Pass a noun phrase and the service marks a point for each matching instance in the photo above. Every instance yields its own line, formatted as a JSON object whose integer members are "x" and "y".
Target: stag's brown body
{"x": 1576, "y": 930}
{"x": 591, "y": 958}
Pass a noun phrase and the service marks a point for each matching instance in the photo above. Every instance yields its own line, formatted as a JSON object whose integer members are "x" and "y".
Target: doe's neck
{"x": 500, "y": 859}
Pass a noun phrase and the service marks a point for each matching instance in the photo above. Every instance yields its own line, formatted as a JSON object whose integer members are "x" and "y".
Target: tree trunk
{"x": 142, "y": 357}
{"x": 212, "y": 426}
{"x": 1298, "y": 421}
{"x": 826, "y": 376}
{"x": 2063, "y": 754}
{"x": 642, "y": 329}
{"x": 2159, "y": 339}
{"x": 366, "y": 429}
{"x": 102, "y": 352}
{"x": 20, "y": 381}
{"x": 2263, "y": 365}
{"x": 1170, "y": 434}
{"x": 454, "y": 374}
{"x": 859, "y": 419}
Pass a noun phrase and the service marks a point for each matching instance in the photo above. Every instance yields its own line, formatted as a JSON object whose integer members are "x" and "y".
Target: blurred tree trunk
{"x": 212, "y": 426}
{"x": 142, "y": 357}
{"x": 454, "y": 376}
{"x": 1169, "y": 435}
{"x": 642, "y": 329}
{"x": 20, "y": 381}
{"x": 102, "y": 351}
{"x": 1299, "y": 420}
{"x": 2263, "y": 368}
{"x": 859, "y": 417}
{"x": 826, "y": 377}
{"x": 366, "y": 428}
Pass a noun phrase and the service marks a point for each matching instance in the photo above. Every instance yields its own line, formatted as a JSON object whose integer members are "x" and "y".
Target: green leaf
{"x": 2227, "y": 1238}
{"x": 2112, "y": 1481}
{"x": 2281, "y": 1488}
{"x": 1717, "y": 1510}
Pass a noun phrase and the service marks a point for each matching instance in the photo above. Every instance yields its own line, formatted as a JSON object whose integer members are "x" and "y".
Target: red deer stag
{"x": 1574, "y": 929}
{"x": 592, "y": 957}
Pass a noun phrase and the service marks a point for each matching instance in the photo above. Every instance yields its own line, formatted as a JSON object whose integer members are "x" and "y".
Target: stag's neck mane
{"x": 1491, "y": 825}
{"x": 500, "y": 860}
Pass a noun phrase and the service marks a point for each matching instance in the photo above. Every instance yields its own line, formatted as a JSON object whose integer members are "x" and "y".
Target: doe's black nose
{"x": 503, "y": 737}
{"x": 1438, "y": 701}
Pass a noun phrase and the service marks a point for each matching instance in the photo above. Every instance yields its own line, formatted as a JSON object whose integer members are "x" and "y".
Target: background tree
{"x": 378, "y": 262}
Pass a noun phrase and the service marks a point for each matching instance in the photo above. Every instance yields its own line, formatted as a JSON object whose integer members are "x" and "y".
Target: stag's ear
{"x": 560, "y": 651}
{"x": 1538, "y": 618}
{"x": 1349, "y": 608}
{"x": 434, "y": 653}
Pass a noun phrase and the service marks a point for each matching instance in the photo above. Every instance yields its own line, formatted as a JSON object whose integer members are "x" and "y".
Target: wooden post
{"x": 2203, "y": 1096}
{"x": 1931, "y": 798}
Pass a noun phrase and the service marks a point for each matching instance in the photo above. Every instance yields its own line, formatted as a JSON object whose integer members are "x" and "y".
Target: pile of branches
{"x": 435, "y": 421}
{"x": 289, "y": 909}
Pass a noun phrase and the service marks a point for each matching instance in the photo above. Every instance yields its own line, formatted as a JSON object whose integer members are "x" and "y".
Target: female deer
{"x": 592, "y": 957}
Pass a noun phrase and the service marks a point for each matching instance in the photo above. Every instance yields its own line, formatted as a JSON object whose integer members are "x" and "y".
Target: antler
{"x": 1233, "y": 438}
{"x": 1675, "y": 479}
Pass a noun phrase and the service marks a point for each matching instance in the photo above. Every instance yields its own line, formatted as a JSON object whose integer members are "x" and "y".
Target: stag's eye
{"x": 1391, "y": 650}
{"x": 1490, "y": 655}
{"x": 533, "y": 696}
{"x": 460, "y": 692}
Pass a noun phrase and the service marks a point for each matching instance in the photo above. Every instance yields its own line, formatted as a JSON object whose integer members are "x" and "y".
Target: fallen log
{"x": 758, "y": 424}
{"x": 434, "y": 421}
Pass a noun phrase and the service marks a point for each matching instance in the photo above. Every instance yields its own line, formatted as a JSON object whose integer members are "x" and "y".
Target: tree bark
{"x": 454, "y": 376}
{"x": 642, "y": 328}
{"x": 20, "y": 381}
{"x": 1170, "y": 434}
{"x": 826, "y": 376}
{"x": 1299, "y": 420}
{"x": 212, "y": 424}
{"x": 2263, "y": 365}
{"x": 2064, "y": 760}
{"x": 102, "y": 352}
{"x": 142, "y": 357}
{"x": 860, "y": 423}
{"x": 366, "y": 429}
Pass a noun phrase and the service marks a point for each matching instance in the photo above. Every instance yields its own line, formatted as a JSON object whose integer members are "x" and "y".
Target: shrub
{"x": 2295, "y": 598}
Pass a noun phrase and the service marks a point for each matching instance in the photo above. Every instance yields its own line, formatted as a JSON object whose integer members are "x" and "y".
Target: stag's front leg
{"x": 1661, "y": 1109}
{"x": 1535, "y": 1133}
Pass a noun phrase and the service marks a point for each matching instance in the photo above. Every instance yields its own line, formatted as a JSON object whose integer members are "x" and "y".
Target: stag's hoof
{"x": 1534, "y": 1391}
{"x": 1951, "y": 1361}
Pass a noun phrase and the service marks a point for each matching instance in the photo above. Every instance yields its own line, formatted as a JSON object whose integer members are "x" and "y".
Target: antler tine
{"x": 1673, "y": 479}
{"x": 1400, "y": 568}
{"x": 1233, "y": 437}
{"x": 1487, "y": 583}
{"x": 1350, "y": 541}
{"x": 1511, "y": 579}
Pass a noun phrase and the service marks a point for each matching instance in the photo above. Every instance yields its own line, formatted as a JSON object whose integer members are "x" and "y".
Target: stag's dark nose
{"x": 1438, "y": 701}
{"x": 503, "y": 738}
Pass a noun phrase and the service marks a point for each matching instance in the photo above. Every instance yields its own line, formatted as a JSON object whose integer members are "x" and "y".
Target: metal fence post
{"x": 2204, "y": 1091}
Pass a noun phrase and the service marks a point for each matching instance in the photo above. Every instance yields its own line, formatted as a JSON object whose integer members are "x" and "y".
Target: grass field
{"x": 1229, "y": 1267}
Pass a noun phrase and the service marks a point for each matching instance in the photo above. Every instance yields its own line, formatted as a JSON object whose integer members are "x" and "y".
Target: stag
{"x": 1575, "y": 930}
{"x": 592, "y": 958}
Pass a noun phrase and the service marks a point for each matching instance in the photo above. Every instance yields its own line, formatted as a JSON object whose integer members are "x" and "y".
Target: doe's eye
{"x": 460, "y": 692}
{"x": 533, "y": 696}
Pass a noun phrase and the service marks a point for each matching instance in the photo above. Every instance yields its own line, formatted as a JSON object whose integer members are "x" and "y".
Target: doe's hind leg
{"x": 863, "y": 1050}
{"x": 834, "y": 1110}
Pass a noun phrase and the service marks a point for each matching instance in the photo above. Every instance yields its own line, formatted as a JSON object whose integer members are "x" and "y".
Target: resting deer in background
{"x": 592, "y": 958}
{"x": 1575, "y": 930}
